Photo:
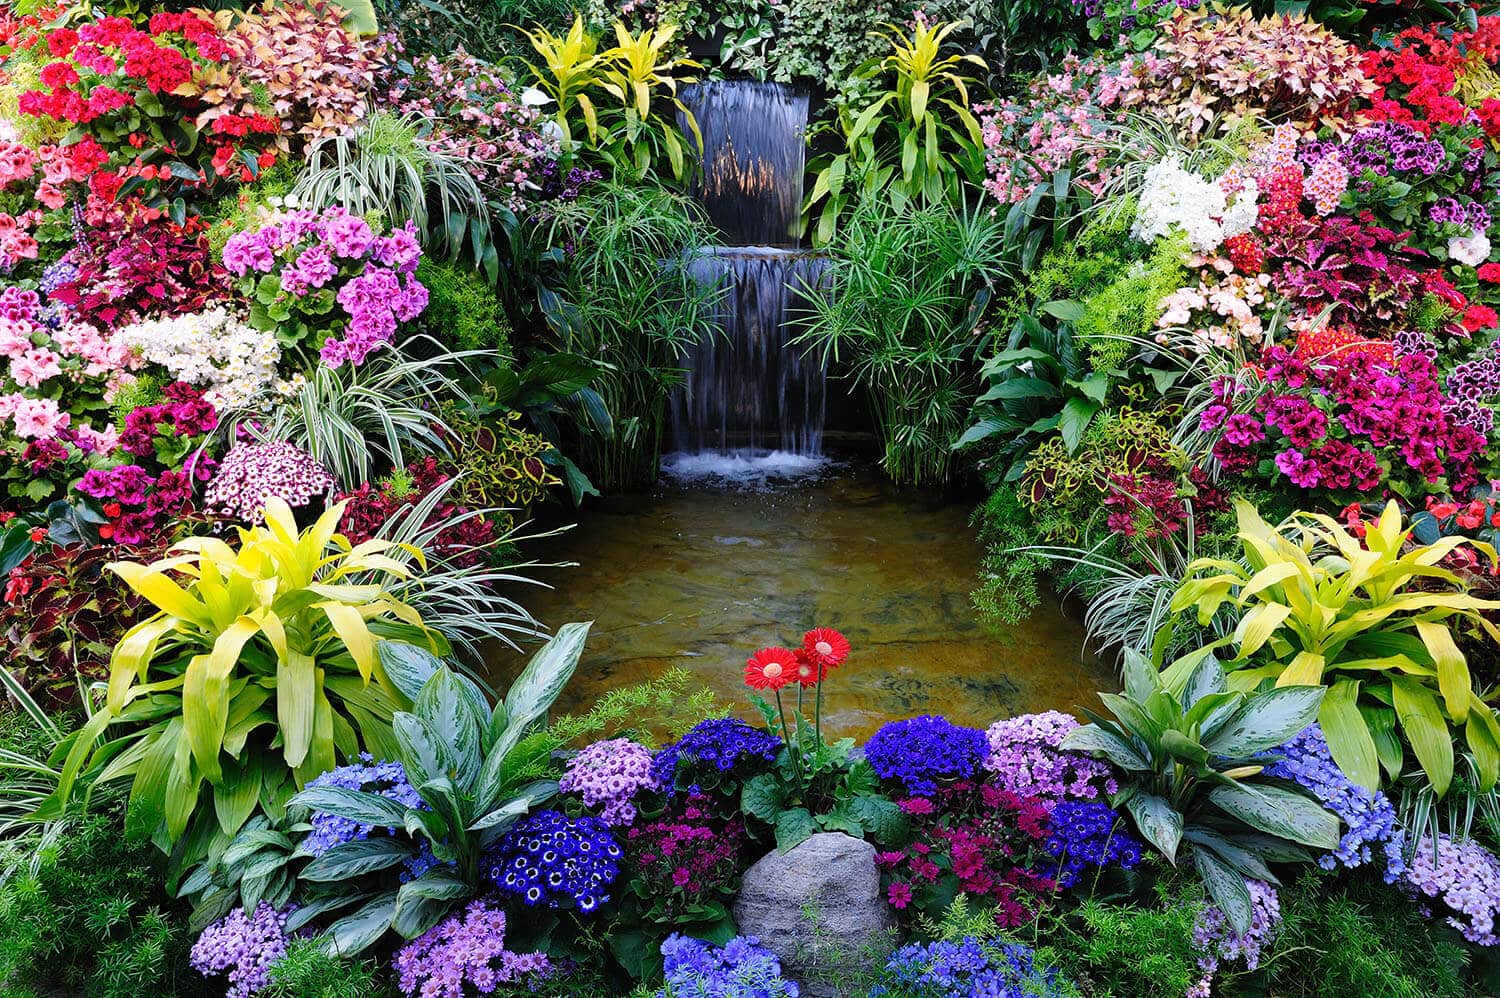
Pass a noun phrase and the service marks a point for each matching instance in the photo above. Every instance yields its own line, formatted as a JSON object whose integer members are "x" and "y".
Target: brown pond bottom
{"x": 699, "y": 577}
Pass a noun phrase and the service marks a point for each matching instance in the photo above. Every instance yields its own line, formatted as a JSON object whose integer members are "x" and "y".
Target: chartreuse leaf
{"x": 1426, "y": 730}
{"x": 1348, "y": 737}
{"x": 1482, "y": 732}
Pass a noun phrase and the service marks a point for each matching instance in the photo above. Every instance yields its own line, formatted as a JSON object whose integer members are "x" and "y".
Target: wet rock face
{"x": 819, "y": 909}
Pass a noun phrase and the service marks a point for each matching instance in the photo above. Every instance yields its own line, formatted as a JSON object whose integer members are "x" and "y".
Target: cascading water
{"x": 752, "y": 403}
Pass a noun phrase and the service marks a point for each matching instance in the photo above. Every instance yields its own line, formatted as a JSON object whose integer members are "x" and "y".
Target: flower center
{"x": 772, "y": 670}
{"x": 823, "y": 648}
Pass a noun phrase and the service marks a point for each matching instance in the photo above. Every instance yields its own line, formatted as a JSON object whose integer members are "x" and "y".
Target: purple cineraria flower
{"x": 244, "y": 946}
{"x": 252, "y": 473}
{"x": 1217, "y": 942}
{"x": 967, "y": 968}
{"x": 919, "y": 751}
{"x": 1465, "y": 877}
{"x": 1369, "y": 818}
{"x": 1024, "y": 758}
{"x": 462, "y": 952}
{"x": 722, "y": 745}
{"x": 608, "y": 775}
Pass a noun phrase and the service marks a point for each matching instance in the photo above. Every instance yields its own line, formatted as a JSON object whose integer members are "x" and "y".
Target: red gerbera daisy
{"x": 825, "y": 646}
{"x": 770, "y": 669}
{"x": 809, "y": 672}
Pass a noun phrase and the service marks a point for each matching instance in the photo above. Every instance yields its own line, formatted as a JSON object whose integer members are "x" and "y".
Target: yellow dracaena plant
{"x": 905, "y": 142}
{"x": 571, "y": 66}
{"x": 1371, "y": 619}
{"x": 638, "y": 67}
{"x": 257, "y": 673}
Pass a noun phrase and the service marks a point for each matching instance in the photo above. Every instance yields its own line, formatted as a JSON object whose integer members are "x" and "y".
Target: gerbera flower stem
{"x": 786, "y": 734}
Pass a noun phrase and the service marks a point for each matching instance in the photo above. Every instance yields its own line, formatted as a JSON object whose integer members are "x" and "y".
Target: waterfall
{"x": 748, "y": 390}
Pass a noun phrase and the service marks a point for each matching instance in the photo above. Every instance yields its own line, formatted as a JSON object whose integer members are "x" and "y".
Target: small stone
{"x": 818, "y": 907}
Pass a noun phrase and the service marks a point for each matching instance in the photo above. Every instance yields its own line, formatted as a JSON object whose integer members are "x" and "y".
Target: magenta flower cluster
{"x": 1465, "y": 877}
{"x": 252, "y": 473}
{"x": 1025, "y": 759}
{"x": 318, "y": 255}
{"x": 464, "y": 952}
{"x": 244, "y": 946}
{"x": 1334, "y": 428}
{"x": 608, "y": 775}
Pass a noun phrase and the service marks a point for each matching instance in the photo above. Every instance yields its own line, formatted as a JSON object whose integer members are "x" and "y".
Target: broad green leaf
{"x": 1266, "y": 720}
{"x": 1158, "y": 822}
{"x": 1278, "y": 811}
{"x": 1348, "y": 737}
{"x": 1452, "y": 669}
{"x": 1227, "y": 889}
{"x": 1426, "y": 730}
{"x": 359, "y": 930}
{"x": 353, "y": 859}
{"x": 1091, "y": 739}
{"x": 793, "y": 827}
{"x": 355, "y": 805}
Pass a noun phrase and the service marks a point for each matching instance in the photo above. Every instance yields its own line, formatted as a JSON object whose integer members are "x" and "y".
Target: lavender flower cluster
{"x": 920, "y": 751}
{"x": 967, "y": 969}
{"x": 1465, "y": 876}
{"x": 1025, "y": 759}
{"x": 1217, "y": 942}
{"x": 313, "y": 251}
{"x": 1088, "y": 833}
{"x": 608, "y": 775}
{"x": 553, "y": 860}
{"x": 244, "y": 946}
{"x": 388, "y": 779}
{"x": 252, "y": 473}
{"x": 720, "y": 745}
{"x": 465, "y": 950}
{"x": 741, "y": 968}
{"x": 1368, "y": 814}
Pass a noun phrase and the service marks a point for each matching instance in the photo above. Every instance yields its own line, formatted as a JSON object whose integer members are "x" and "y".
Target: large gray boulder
{"x": 819, "y": 908}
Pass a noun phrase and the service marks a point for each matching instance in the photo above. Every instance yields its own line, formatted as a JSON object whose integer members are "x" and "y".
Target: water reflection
{"x": 697, "y": 577}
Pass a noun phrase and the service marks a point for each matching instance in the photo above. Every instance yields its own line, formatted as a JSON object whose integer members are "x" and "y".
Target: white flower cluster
{"x": 1176, "y": 198}
{"x": 216, "y": 351}
{"x": 1473, "y": 249}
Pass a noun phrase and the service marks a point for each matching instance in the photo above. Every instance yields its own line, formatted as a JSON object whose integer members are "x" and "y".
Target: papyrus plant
{"x": 257, "y": 672}
{"x": 1373, "y": 620}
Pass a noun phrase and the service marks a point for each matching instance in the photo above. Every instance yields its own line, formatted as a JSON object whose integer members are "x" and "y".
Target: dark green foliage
{"x": 1008, "y": 582}
{"x": 144, "y": 390}
{"x": 1130, "y": 950}
{"x": 93, "y": 921}
{"x": 1350, "y": 936}
{"x": 308, "y": 972}
{"x": 462, "y": 310}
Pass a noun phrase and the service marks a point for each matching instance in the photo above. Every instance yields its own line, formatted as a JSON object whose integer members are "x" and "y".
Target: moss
{"x": 462, "y": 309}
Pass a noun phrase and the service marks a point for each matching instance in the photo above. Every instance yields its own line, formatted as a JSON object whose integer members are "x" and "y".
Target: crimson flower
{"x": 771, "y": 669}
{"x": 827, "y": 648}
{"x": 809, "y": 671}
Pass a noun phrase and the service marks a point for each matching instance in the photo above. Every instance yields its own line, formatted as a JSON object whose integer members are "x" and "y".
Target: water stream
{"x": 700, "y": 573}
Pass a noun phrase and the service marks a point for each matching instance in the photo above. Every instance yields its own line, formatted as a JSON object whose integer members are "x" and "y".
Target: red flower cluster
{"x": 823, "y": 650}
{"x": 1418, "y": 75}
{"x": 465, "y": 544}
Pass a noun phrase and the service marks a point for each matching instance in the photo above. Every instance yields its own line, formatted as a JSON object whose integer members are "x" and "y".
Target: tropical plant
{"x": 359, "y": 422}
{"x": 632, "y": 306}
{"x": 1366, "y": 617}
{"x": 477, "y": 769}
{"x": 571, "y": 66}
{"x": 637, "y": 133}
{"x": 385, "y": 165}
{"x": 251, "y": 679}
{"x": 1191, "y": 757}
{"x": 908, "y": 289}
{"x": 903, "y": 146}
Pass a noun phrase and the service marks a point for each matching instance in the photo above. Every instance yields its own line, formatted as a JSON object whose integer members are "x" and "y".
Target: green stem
{"x": 786, "y": 734}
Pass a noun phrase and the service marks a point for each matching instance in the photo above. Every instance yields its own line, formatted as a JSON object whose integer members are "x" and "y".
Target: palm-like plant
{"x": 904, "y": 144}
{"x": 908, "y": 288}
{"x": 1369, "y": 618}
{"x": 637, "y": 133}
{"x": 571, "y": 66}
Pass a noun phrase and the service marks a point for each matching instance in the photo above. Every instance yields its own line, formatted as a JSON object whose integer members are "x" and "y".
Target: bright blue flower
{"x": 967, "y": 969}
{"x": 722, "y": 745}
{"x": 742, "y": 968}
{"x": 1088, "y": 833}
{"x": 1368, "y": 814}
{"x": 919, "y": 751}
{"x": 553, "y": 860}
{"x": 388, "y": 779}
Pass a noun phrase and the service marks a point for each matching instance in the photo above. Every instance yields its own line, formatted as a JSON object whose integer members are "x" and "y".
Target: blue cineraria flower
{"x": 919, "y": 751}
{"x": 721, "y": 744}
{"x": 967, "y": 969}
{"x": 1088, "y": 833}
{"x": 741, "y": 968}
{"x": 388, "y": 779}
{"x": 1368, "y": 814}
{"x": 553, "y": 860}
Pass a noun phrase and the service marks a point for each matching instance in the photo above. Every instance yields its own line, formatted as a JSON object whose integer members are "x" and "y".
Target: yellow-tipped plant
{"x": 638, "y": 68}
{"x": 1372, "y": 620}
{"x": 257, "y": 672}
{"x": 571, "y": 66}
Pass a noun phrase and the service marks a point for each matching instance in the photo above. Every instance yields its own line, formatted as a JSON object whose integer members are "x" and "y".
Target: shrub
{"x": 462, "y": 310}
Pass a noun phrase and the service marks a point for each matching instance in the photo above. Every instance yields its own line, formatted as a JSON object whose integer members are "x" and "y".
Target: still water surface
{"x": 702, "y": 571}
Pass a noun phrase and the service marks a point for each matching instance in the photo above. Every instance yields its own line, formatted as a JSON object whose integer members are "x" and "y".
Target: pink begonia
{"x": 38, "y": 419}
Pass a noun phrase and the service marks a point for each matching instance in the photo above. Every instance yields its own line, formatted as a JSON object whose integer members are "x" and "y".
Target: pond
{"x": 728, "y": 555}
